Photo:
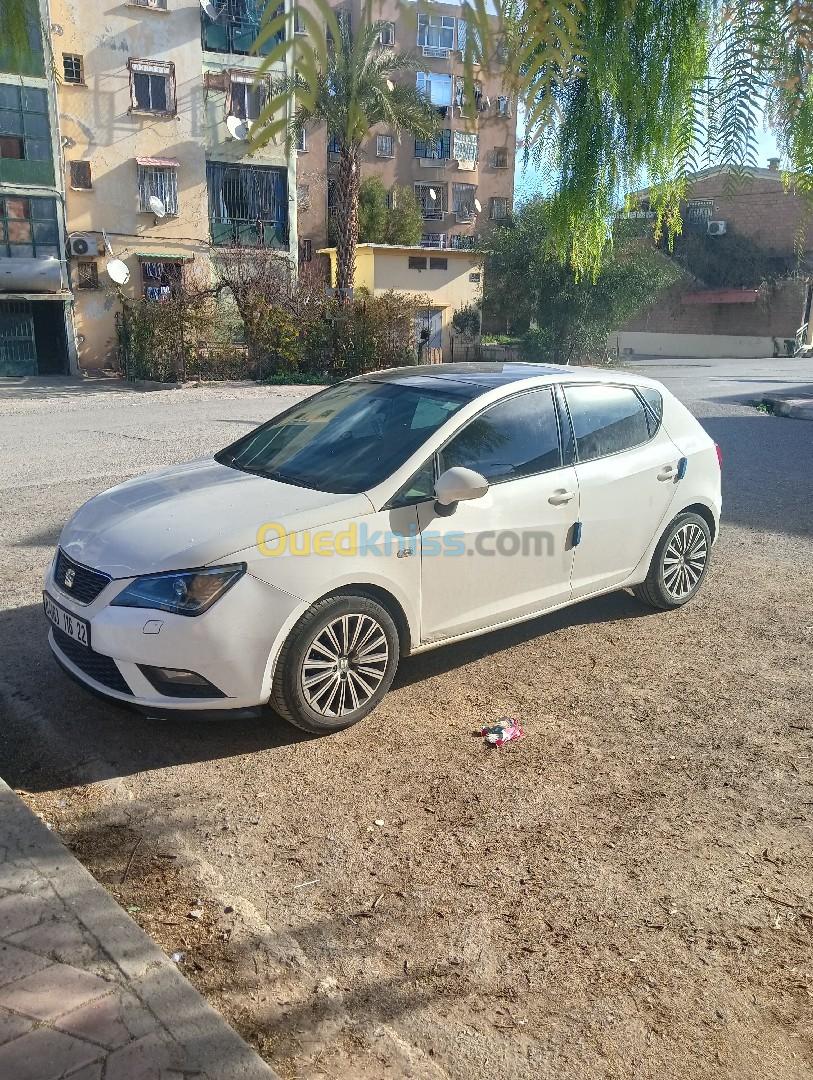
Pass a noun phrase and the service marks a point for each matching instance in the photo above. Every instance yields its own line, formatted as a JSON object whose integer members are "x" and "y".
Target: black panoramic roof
{"x": 484, "y": 376}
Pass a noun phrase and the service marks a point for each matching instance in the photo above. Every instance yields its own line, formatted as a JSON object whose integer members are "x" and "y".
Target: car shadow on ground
{"x": 767, "y": 470}
{"x": 54, "y": 734}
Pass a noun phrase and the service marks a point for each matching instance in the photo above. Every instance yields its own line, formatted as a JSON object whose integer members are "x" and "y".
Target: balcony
{"x": 433, "y": 240}
{"x": 431, "y": 213}
{"x": 236, "y": 28}
{"x": 248, "y": 205}
{"x": 462, "y": 242}
{"x": 436, "y": 52}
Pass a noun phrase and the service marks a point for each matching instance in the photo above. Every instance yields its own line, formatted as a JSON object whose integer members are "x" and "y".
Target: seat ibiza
{"x": 384, "y": 516}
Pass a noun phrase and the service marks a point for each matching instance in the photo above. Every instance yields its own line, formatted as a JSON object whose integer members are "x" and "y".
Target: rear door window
{"x": 606, "y": 419}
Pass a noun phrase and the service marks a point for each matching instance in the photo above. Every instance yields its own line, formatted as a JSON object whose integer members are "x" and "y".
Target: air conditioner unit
{"x": 82, "y": 244}
{"x": 716, "y": 228}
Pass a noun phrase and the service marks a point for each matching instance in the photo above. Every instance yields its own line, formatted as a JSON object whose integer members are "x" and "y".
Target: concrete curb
{"x": 797, "y": 408}
{"x": 211, "y": 1048}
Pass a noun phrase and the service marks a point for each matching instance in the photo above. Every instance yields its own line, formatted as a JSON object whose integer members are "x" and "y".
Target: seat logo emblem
{"x": 70, "y": 577}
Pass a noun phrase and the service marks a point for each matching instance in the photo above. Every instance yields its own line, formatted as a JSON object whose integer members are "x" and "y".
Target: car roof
{"x": 489, "y": 376}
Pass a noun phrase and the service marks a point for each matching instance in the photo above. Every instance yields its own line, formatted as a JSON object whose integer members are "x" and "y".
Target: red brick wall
{"x": 756, "y": 206}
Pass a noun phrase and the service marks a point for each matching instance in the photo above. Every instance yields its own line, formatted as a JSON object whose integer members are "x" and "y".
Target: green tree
{"x": 351, "y": 89}
{"x": 373, "y": 211}
{"x": 21, "y": 37}
{"x": 405, "y": 221}
{"x": 618, "y": 94}
{"x": 564, "y": 318}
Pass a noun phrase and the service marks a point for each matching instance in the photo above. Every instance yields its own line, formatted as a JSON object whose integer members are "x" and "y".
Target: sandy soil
{"x": 624, "y": 893}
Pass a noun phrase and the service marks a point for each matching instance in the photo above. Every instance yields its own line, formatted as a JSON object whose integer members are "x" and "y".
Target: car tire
{"x": 679, "y": 563}
{"x": 319, "y": 695}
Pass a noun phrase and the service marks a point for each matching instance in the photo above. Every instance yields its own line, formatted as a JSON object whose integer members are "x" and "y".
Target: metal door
{"x": 18, "y": 349}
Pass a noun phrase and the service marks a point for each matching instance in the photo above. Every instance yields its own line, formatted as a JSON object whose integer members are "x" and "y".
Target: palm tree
{"x": 355, "y": 88}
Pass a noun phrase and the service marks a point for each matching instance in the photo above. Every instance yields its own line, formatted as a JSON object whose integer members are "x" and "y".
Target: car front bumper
{"x": 232, "y": 645}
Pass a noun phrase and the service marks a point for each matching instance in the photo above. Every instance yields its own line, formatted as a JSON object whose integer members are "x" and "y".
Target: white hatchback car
{"x": 384, "y": 516}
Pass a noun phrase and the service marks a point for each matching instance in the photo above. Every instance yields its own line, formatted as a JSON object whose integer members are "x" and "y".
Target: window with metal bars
{"x": 86, "y": 275}
{"x": 72, "y": 68}
{"x": 160, "y": 182}
{"x": 384, "y": 146}
{"x": 161, "y": 277}
{"x": 463, "y": 196}
{"x": 431, "y": 207}
{"x": 81, "y": 178}
{"x": 152, "y": 86}
{"x": 236, "y": 28}
{"x": 387, "y": 35}
{"x": 306, "y": 250}
{"x": 156, "y": 5}
{"x": 499, "y": 208}
{"x": 334, "y": 144}
{"x": 499, "y": 157}
{"x": 248, "y": 204}
{"x": 436, "y": 147}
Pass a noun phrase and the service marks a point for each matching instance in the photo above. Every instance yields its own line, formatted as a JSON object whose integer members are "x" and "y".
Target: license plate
{"x": 74, "y": 627}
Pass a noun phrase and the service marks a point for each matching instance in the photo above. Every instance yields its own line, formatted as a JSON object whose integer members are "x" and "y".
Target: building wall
{"x": 25, "y": 178}
{"x": 404, "y": 169}
{"x": 758, "y": 207}
{"x": 100, "y": 126}
{"x": 381, "y": 269}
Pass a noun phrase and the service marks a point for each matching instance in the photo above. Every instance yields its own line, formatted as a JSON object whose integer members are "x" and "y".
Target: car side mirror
{"x": 458, "y": 485}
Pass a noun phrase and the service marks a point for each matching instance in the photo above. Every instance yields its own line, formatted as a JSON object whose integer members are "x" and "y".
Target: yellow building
{"x": 149, "y": 159}
{"x": 451, "y": 279}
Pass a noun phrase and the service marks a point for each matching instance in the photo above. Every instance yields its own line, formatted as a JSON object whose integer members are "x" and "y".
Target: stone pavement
{"x": 84, "y": 993}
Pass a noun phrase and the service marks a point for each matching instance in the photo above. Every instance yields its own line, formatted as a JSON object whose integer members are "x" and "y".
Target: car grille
{"x": 102, "y": 669}
{"x": 87, "y": 583}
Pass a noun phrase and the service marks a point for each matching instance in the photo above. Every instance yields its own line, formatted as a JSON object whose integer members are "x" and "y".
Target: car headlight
{"x": 183, "y": 592}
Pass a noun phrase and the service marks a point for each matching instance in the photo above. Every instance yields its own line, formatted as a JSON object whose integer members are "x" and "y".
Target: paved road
{"x": 259, "y": 812}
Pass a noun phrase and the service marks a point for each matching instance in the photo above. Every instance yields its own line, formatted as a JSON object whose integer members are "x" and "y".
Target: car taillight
{"x": 719, "y": 455}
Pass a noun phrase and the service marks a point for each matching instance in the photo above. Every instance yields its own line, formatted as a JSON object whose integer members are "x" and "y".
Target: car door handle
{"x": 561, "y": 496}
{"x": 667, "y": 472}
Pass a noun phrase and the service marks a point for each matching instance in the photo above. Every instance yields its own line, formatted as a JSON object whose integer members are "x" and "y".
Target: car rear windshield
{"x": 350, "y": 437}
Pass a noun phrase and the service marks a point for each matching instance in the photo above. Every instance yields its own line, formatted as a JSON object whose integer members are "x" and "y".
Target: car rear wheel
{"x": 337, "y": 664}
{"x": 679, "y": 563}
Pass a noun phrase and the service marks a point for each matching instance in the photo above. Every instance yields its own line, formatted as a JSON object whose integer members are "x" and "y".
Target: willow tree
{"x": 618, "y": 93}
{"x": 354, "y": 87}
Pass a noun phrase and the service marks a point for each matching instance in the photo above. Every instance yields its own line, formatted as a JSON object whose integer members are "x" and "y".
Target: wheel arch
{"x": 705, "y": 512}
{"x": 386, "y": 599}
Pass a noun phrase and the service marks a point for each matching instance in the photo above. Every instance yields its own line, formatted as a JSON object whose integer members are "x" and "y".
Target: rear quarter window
{"x": 653, "y": 400}
{"x": 606, "y": 419}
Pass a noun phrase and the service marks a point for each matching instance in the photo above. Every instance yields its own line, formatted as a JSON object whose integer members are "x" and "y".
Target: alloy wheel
{"x": 344, "y": 665}
{"x": 684, "y": 561}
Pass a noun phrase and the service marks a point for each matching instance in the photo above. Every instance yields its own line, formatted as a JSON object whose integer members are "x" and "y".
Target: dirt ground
{"x": 624, "y": 893}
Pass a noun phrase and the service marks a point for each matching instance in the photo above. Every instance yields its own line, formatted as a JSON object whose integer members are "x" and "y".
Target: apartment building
{"x": 34, "y": 298}
{"x": 470, "y": 161}
{"x": 155, "y": 99}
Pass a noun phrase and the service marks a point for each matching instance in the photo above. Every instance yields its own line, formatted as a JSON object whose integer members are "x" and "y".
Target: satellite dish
{"x": 432, "y": 194}
{"x": 478, "y": 206}
{"x": 390, "y": 85}
{"x": 209, "y": 8}
{"x": 238, "y": 129}
{"x": 157, "y": 206}
{"x": 118, "y": 271}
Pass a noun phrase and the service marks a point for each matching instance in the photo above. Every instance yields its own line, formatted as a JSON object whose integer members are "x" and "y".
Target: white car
{"x": 382, "y": 517}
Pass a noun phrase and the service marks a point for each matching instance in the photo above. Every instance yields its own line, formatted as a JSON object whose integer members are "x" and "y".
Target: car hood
{"x": 191, "y": 515}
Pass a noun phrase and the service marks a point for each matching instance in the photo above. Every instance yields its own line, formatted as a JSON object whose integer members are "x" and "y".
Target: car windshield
{"x": 351, "y": 437}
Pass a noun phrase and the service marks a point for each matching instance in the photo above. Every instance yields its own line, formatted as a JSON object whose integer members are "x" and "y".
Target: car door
{"x": 508, "y": 554}
{"x": 627, "y": 470}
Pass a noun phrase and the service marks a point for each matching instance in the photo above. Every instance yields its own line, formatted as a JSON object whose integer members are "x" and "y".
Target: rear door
{"x": 627, "y": 472}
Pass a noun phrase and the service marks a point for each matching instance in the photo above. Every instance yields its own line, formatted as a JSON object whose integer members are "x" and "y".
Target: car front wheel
{"x": 679, "y": 563}
{"x": 337, "y": 664}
